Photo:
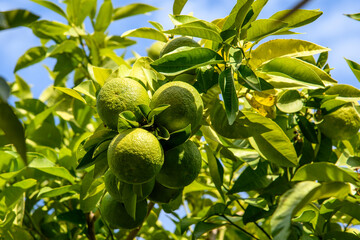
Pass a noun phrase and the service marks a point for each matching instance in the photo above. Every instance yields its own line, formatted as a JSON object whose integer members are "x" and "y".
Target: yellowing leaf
{"x": 72, "y": 93}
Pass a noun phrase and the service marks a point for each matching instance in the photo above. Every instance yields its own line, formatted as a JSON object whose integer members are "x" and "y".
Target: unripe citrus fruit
{"x": 186, "y": 106}
{"x": 116, "y": 188}
{"x": 154, "y": 50}
{"x": 114, "y": 213}
{"x": 162, "y": 194}
{"x": 118, "y": 95}
{"x": 341, "y": 124}
{"x": 135, "y": 156}
{"x": 176, "y": 43}
{"x": 181, "y": 166}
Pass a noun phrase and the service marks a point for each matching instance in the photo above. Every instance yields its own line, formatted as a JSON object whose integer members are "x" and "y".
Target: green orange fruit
{"x": 115, "y": 214}
{"x": 181, "y": 166}
{"x": 118, "y": 95}
{"x": 186, "y": 106}
{"x": 135, "y": 156}
{"x": 176, "y": 43}
{"x": 162, "y": 194}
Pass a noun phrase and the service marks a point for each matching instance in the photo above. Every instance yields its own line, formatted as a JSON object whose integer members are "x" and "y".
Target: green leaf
{"x": 90, "y": 192}
{"x": 131, "y": 10}
{"x": 262, "y": 28}
{"x": 237, "y": 15}
{"x": 4, "y": 90}
{"x": 227, "y": 87}
{"x": 290, "y": 101}
{"x": 13, "y": 129}
{"x": 183, "y": 60}
{"x": 47, "y": 192}
{"x": 181, "y": 19}
{"x": 72, "y": 93}
{"x": 20, "y": 88}
{"x": 129, "y": 200}
{"x": 251, "y": 179}
{"x": 250, "y": 78}
{"x": 272, "y": 144}
{"x": 49, "y": 29}
{"x": 283, "y": 48}
{"x": 176, "y": 138}
{"x": 344, "y": 91}
{"x": 30, "y": 57}
{"x": 146, "y": 32}
{"x": 254, "y": 12}
{"x": 325, "y": 172}
{"x": 74, "y": 216}
{"x": 206, "y": 78}
{"x": 355, "y": 68}
{"x": 58, "y": 172}
{"x": 52, "y": 6}
{"x": 340, "y": 235}
{"x": 99, "y": 74}
{"x": 16, "y": 18}
{"x": 204, "y": 227}
{"x": 199, "y": 28}
{"x": 14, "y": 192}
{"x": 296, "y": 198}
{"x": 355, "y": 16}
{"x": 219, "y": 122}
{"x": 294, "y": 70}
{"x": 78, "y": 10}
{"x": 308, "y": 129}
{"x": 178, "y": 6}
{"x": 104, "y": 16}
{"x": 216, "y": 170}
{"x": 87, "y": 88}
{"x": 298, "y": 18}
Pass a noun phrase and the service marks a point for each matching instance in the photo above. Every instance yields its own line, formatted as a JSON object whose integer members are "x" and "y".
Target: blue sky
{"x": 333, "y": 30}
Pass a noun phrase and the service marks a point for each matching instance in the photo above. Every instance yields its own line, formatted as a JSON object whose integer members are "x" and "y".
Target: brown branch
{"x": 90, "y": 221}
{"x": 135, "y": 231}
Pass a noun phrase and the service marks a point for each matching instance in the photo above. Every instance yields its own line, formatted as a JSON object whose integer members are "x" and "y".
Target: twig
{"x": 90, "y": 220}
{"x": 135, "y": 231}
{"x": 257, "y": 225}
{"x": 347, "y": 225}
{"x": 238, "y": 227}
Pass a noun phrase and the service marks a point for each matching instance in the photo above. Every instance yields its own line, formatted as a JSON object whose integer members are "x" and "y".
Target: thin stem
{"x": 135, "y": 231}
{"x": 347, "y": 225}
{"x": 240, "y": 228}
{"x": 257, "y": 225}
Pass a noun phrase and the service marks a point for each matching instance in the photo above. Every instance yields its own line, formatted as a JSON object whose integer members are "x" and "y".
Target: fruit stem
{"x": 135, "y": 231}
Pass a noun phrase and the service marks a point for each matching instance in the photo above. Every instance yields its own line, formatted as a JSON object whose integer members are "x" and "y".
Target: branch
{"x": 90, "y": 220}
{"x": 135, "y": 231}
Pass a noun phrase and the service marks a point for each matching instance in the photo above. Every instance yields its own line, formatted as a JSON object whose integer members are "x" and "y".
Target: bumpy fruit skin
{"x": 176, "y": 43}
{"x": 162, "y": 194}
{"x": 114, "y": 213}
{"x": 186, "y": 106}
{"x": 181, "y": 166}
{"x": 341, "y": 124}
{"x": 154, "y": 50}
{"x": 118, "y": 95}
{"x": 116, "y": 188}
{"x": 135, "y": 156}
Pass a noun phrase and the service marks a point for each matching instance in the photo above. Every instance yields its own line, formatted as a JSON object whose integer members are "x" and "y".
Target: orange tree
{"x": 272, "y": 139}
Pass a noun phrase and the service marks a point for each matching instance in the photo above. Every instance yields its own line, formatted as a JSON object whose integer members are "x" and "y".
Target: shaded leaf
{"x": 204, "y": 227}
{"x": 20, "y": 88}
{"x": 13, "y": 129}
{"x": 16, "y": 18}
{"x": 180, "y": 61}
{"x": 131, "y": 10}
{"x": 4, "y": 90}
{"x": 216, "y": 170}
{"x": 237, "y": 15}
{"x": 228, "y": 91}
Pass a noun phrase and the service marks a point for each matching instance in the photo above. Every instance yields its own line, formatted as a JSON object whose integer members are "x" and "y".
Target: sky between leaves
{"x": 332, "y": 30}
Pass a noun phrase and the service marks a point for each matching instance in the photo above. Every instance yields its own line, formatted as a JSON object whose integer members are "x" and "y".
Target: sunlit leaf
{"x": 178, "y": 6}
{"x": 290, "y": 101}
{"x": 72, "y": 93}
{"x": 283, "y": 48}
{"x": 131, "y": 10}
{"x": 237, "y": 15}
{"x": 146, "y": 32}
{"x": 104, "y": 16}
{"x": 52, "y": 6}
{"x": 355, "y": 68}
{"x": 298, "y": 18}
{"x": 262, "y": 28}
{"x": 30, "y": 57}
{"x": 355, "y": 16}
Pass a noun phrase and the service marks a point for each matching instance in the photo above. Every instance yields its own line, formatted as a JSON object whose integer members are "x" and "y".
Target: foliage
{"x": 267, "y": 170}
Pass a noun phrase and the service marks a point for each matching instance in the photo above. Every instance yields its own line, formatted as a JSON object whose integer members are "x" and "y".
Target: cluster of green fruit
{"x": 140, "y": 167}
